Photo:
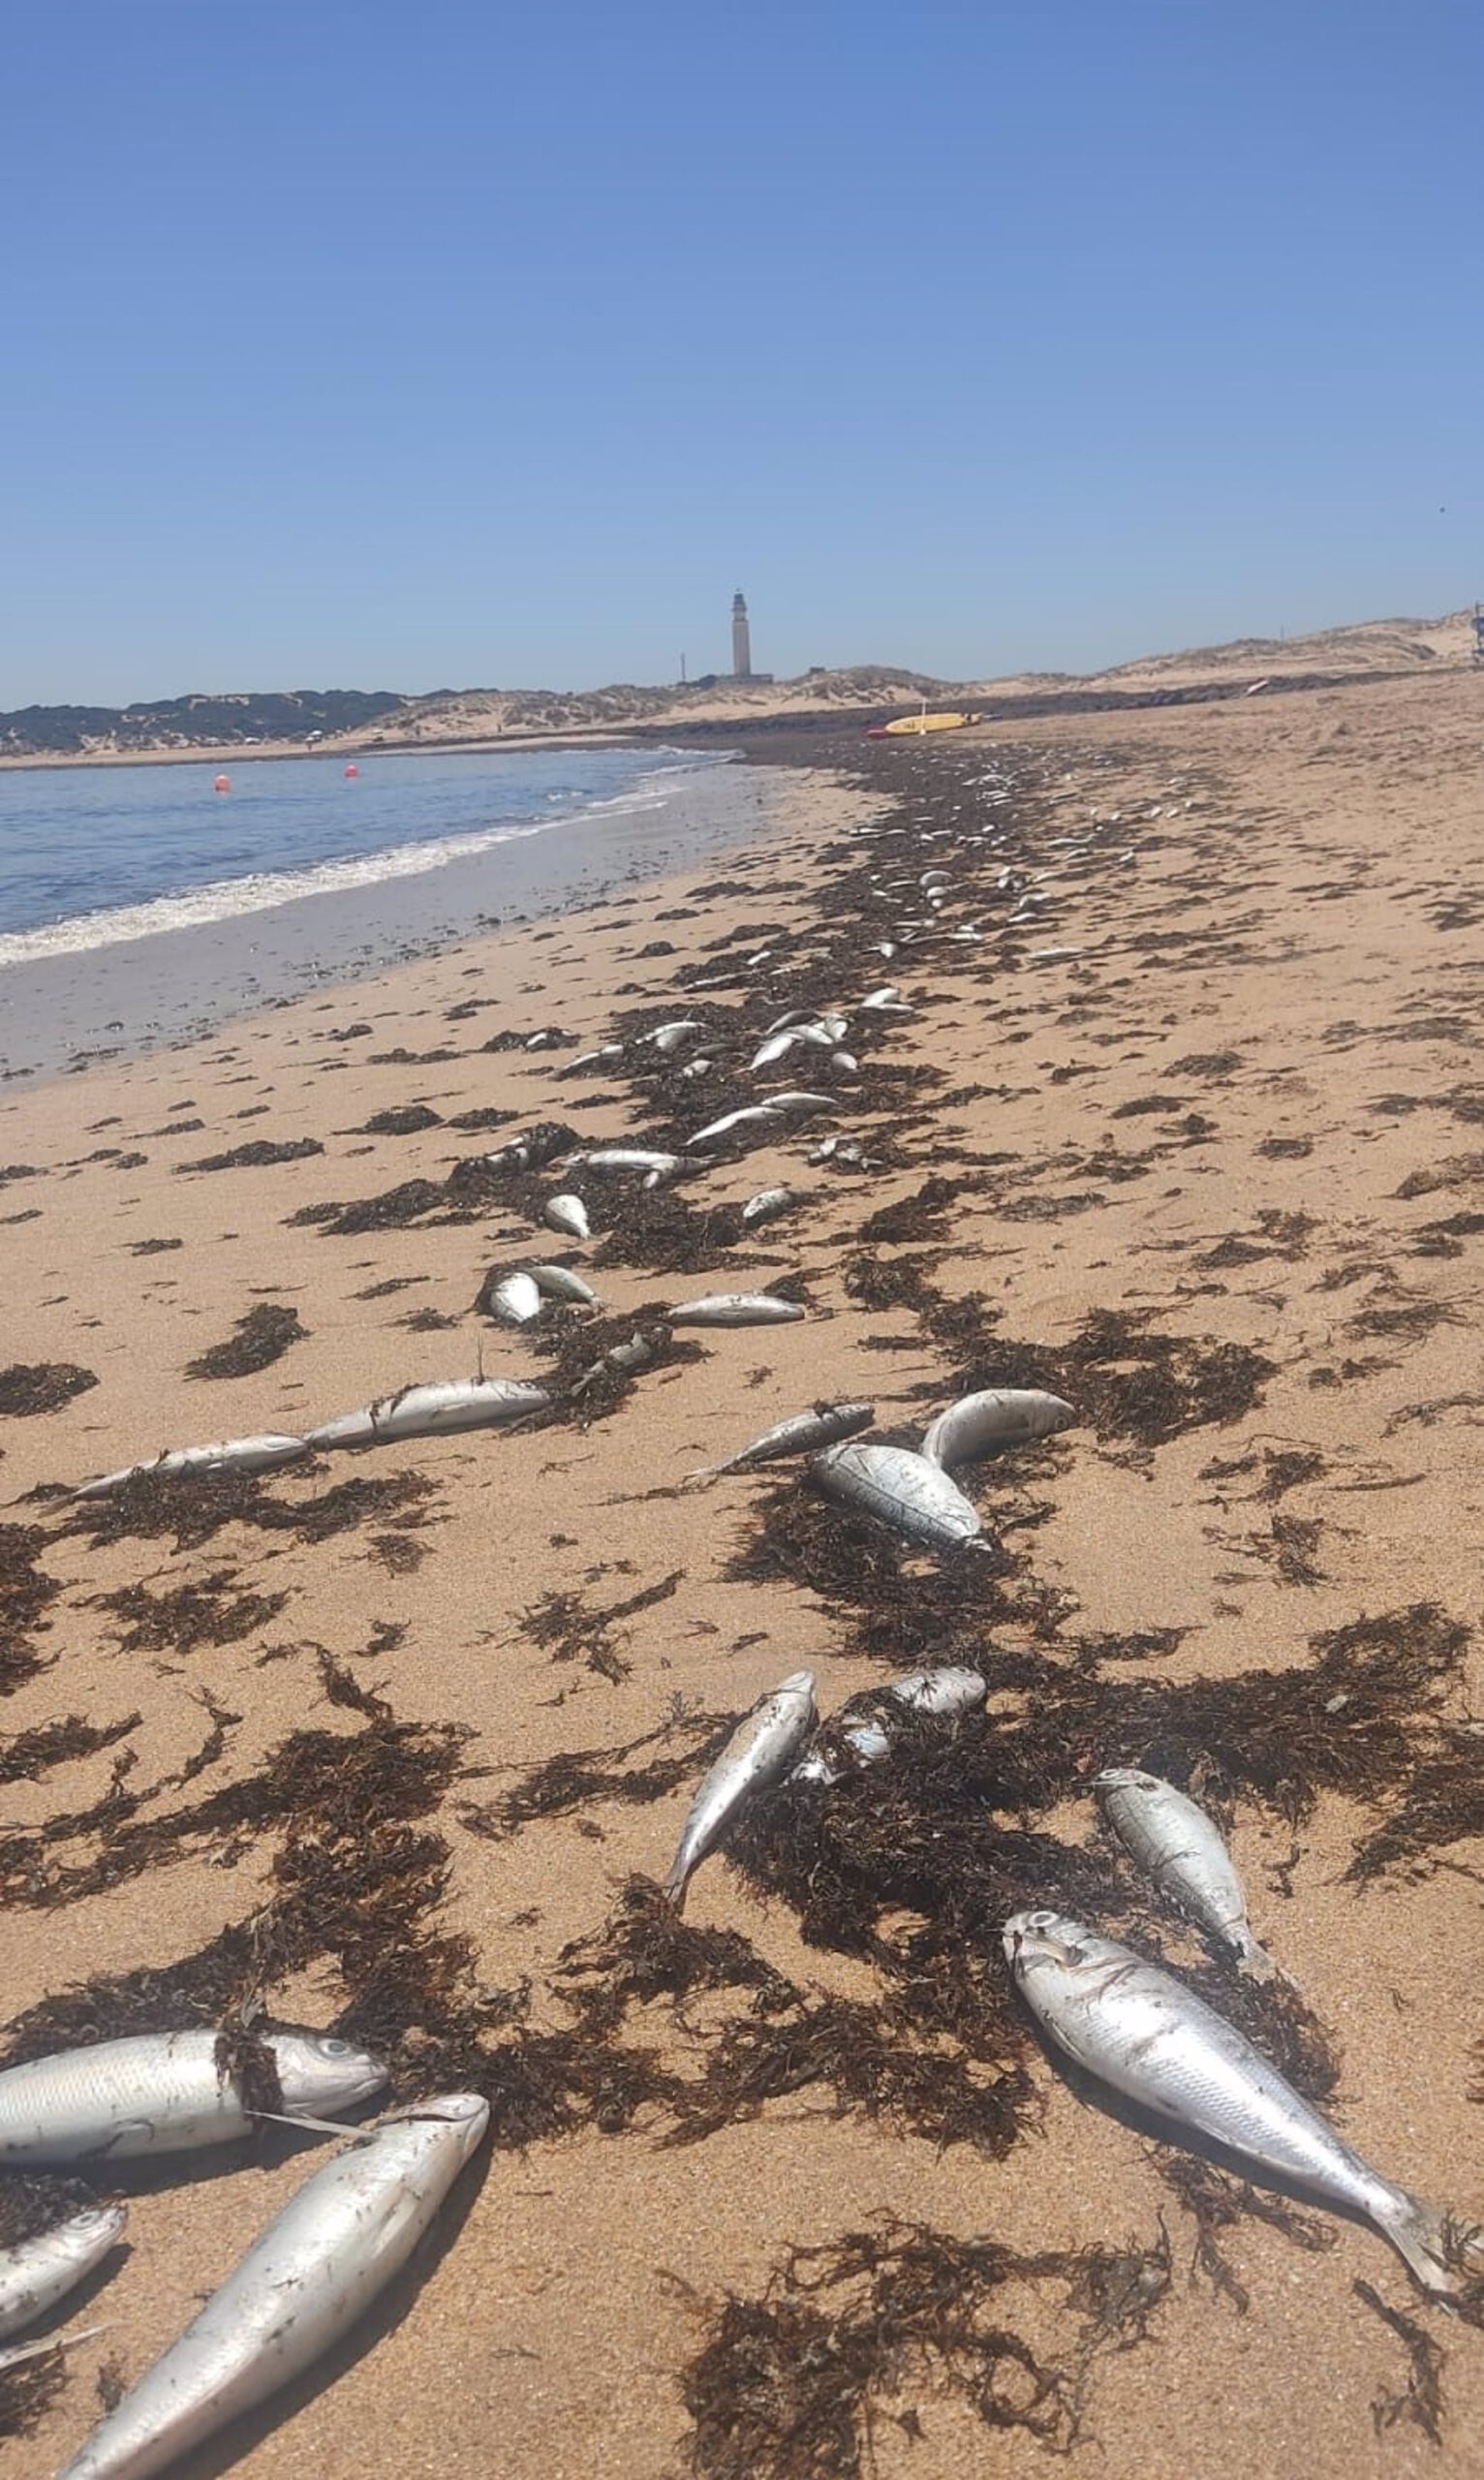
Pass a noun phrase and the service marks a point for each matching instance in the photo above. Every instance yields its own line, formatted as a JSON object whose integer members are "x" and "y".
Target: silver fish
{"x": 261, "y": 1454}
{"x": 669, "y": 1038}
{"x": 563, "y": 1282}
{"x": 752, "y": 1115}
{"x": 591, "y": 1058}
{"x": 943, "y": 1693}
{"x": 694, "y": 1068}
{"x": 539, "y": 1144}
{"x": 998, "y": 1417}
{"x": 567, "y": 1213}
{"x": 801, "y": 1434}
{"x": 635, "y": 1352}
{"x": 797, "y": 1105}
{"x": 432, "y": 1411}
{"x": 761, "y": 1749}
{"x": 629, "y": 1158}
{"x": 164, "y": 2092}
{"x": 1142, "y": 2031}
{"x": 516, "y": 1300}
{"x": 35, "y": 2272}
{"x": 777, "y": 1046}
{"x": 736, "y": 1309}
{"x": 312, "y": 2274}
{"x": 1184, "y": 1853}
{"x": 767, "y": 1203}
{"x": 901, "y": 1490}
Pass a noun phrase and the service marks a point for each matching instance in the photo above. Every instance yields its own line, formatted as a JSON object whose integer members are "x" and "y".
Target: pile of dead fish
{"x": 308, "y": 2277}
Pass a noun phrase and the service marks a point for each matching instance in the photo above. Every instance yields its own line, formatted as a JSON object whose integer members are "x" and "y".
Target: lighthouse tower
{"x": 741, "y": 639}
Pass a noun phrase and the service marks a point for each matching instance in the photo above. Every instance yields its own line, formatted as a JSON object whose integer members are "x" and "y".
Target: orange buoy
{"x": 224, "y": 783}
{"x": 351, "y": 770}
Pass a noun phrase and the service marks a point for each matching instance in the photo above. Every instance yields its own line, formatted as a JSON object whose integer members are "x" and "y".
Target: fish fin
{"x": 1442, "y": 2252}
{"x": 702, "y": 1472}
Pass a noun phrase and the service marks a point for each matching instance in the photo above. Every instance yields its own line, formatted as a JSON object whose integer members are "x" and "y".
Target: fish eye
{"x": 331, "y": 2046}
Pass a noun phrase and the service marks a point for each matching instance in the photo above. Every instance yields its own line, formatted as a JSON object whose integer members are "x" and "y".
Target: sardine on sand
{"x": 760, "y": 1750}
{"x": 37, "y": 2272}
{"x": 310, "y": 2276}
{"x": 1140, "y": 2030}
{"x": 1180, "y": 1846}
{"x": 166, "y": 2093}
{"x": 901, "y": 1490}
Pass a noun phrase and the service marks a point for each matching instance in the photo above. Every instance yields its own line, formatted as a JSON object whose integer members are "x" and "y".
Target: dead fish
{"x": 1143, "y": 2031}
{"x": 313, "y": 2273}
{"x": 901, "y": 1490}
{"x": 943, "y": 1694}
{"x": 801, "y": 1434}
{"x": 998, "y": 1417}
{"x": 629, "y": 1158}
{"x": 431, "y": 1410}
{"x": 777, "y": 1046}
{"x": 35, "y": 2272}
{"x": 752, "y": 1115}
{"x": 1180, "y": 1846}
{"x": 166, "y": 2093}
{"x": 843, "y": 1063}
{"x": 694, "y": 1068}
{"x": 261, "y": 1454}
{"x": 567, "y": 1213}
{"x": 537, "y": 1146}
{"x": 888, "y": 1002}
{"x": 667, "y": 1038}
{"x": 516, "y": 1300}
{"x": 562, "y": 1282}
{"x": 760, "y": 1750}
{"x": 591, "y": 1058}
{"x": 768, "y": 1203}
{"x": 635, "y": 1352}
{"x": 797, "y": 1105}
{"x": 736, "y": 1309}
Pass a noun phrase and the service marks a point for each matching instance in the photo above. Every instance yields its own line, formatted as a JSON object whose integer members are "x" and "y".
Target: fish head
{"x": 1041, "y": 1940}
{"x": 799, "y": 1683}
{"x": 321, "y": 2073}
{"x": 98, "y": 2225}
{"x": 1126, "y": 1778}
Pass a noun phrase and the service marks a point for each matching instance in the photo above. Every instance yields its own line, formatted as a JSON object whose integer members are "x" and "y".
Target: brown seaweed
{"x": 256, "y": 1341}
{"x": 27, "y": 1388}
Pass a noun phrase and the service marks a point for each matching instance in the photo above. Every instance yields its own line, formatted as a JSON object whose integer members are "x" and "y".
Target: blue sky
{"x": 407, "y": 345}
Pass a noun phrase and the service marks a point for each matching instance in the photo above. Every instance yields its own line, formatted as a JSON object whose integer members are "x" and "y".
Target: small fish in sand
{"x": 801, "y": 1434}
{"x": 888, "y": 1002}
{"x": 759, "y": 1750}
{"x": 166, "y": 2093}
{"x": 669, "y": 1038}
{"x": 694, "y": 1068}
{"x": 563, "y": 1282}
{"x": 903, "y": 1491}
{"x": 37, "y": 2272}
{"x": 635, "y": 1352}
{"x": 516, "y": 1300}
{"x": 944, "y": 1695}
{"x": 311, "y": 2275}
{"x": 618, "y": 1159}
{"x": 753, "y": 1115}
{"x": 431, "y": 1410}
{"x": 592, "y": 1058}
{"x": 736, "y": 1309}
{"x": 261, "y": 1454}
{"x": 797, "y": 1105}
{"x": 567, "y": 1213}
{"x": 998, "y": 1417}
{"x": 1180, "y": 1846}
{"x": 1144, "y": 2033}
{"x": 768, "y": 1203}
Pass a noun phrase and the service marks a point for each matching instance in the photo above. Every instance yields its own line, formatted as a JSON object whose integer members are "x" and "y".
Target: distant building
{"x": 742, "y": 643}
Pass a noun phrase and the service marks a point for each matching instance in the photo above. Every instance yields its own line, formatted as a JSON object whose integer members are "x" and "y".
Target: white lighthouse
{"x": 741, "y": 639}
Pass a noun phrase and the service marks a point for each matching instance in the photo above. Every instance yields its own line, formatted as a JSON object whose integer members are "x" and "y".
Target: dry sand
{"x": 1248, "y": 1106}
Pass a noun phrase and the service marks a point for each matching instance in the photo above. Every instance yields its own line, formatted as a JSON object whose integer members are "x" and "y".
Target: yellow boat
{"x": 923, "y": 723}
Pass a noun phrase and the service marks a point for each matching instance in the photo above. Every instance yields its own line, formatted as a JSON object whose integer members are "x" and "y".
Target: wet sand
{"x": 1218, "y": 1168}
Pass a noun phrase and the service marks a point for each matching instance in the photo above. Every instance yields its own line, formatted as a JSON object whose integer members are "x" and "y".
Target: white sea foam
{"x": 224, "y": 899}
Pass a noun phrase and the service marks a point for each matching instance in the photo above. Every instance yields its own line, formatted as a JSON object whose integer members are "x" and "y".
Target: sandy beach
{"x": 401, "y": 1743}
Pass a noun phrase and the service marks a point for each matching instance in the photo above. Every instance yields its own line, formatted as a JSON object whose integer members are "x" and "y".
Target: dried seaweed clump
{"x": 60, "y": 1743}
{"x": 259, "y": 1338}
{"x": 206, "y": 1612}
{"x": 576, "y": 1780}
{"x": 28, "y": 1388}
{"x": 25, "y": 1590}
{"x": 790, "y": 2385}
{"x": 257, "y": 1153}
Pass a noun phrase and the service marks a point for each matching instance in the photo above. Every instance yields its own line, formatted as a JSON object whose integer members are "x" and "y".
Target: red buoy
{"x": 224, "y": 783}
{"x": 351, "y": 770}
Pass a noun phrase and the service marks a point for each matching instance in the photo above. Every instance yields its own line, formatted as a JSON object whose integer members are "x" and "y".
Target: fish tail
{"x": 1255, "y": 1962}
{"x": 1442, "y": 2253}
{"x": 702, "y": 1472}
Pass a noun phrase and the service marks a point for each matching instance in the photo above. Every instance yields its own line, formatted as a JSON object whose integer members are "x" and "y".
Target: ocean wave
{"x": 258, "y": 892}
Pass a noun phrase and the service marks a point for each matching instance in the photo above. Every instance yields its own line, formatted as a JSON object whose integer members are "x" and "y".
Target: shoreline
{"x": 185, "y": 981}
{"x": 1183, "y": 1119}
